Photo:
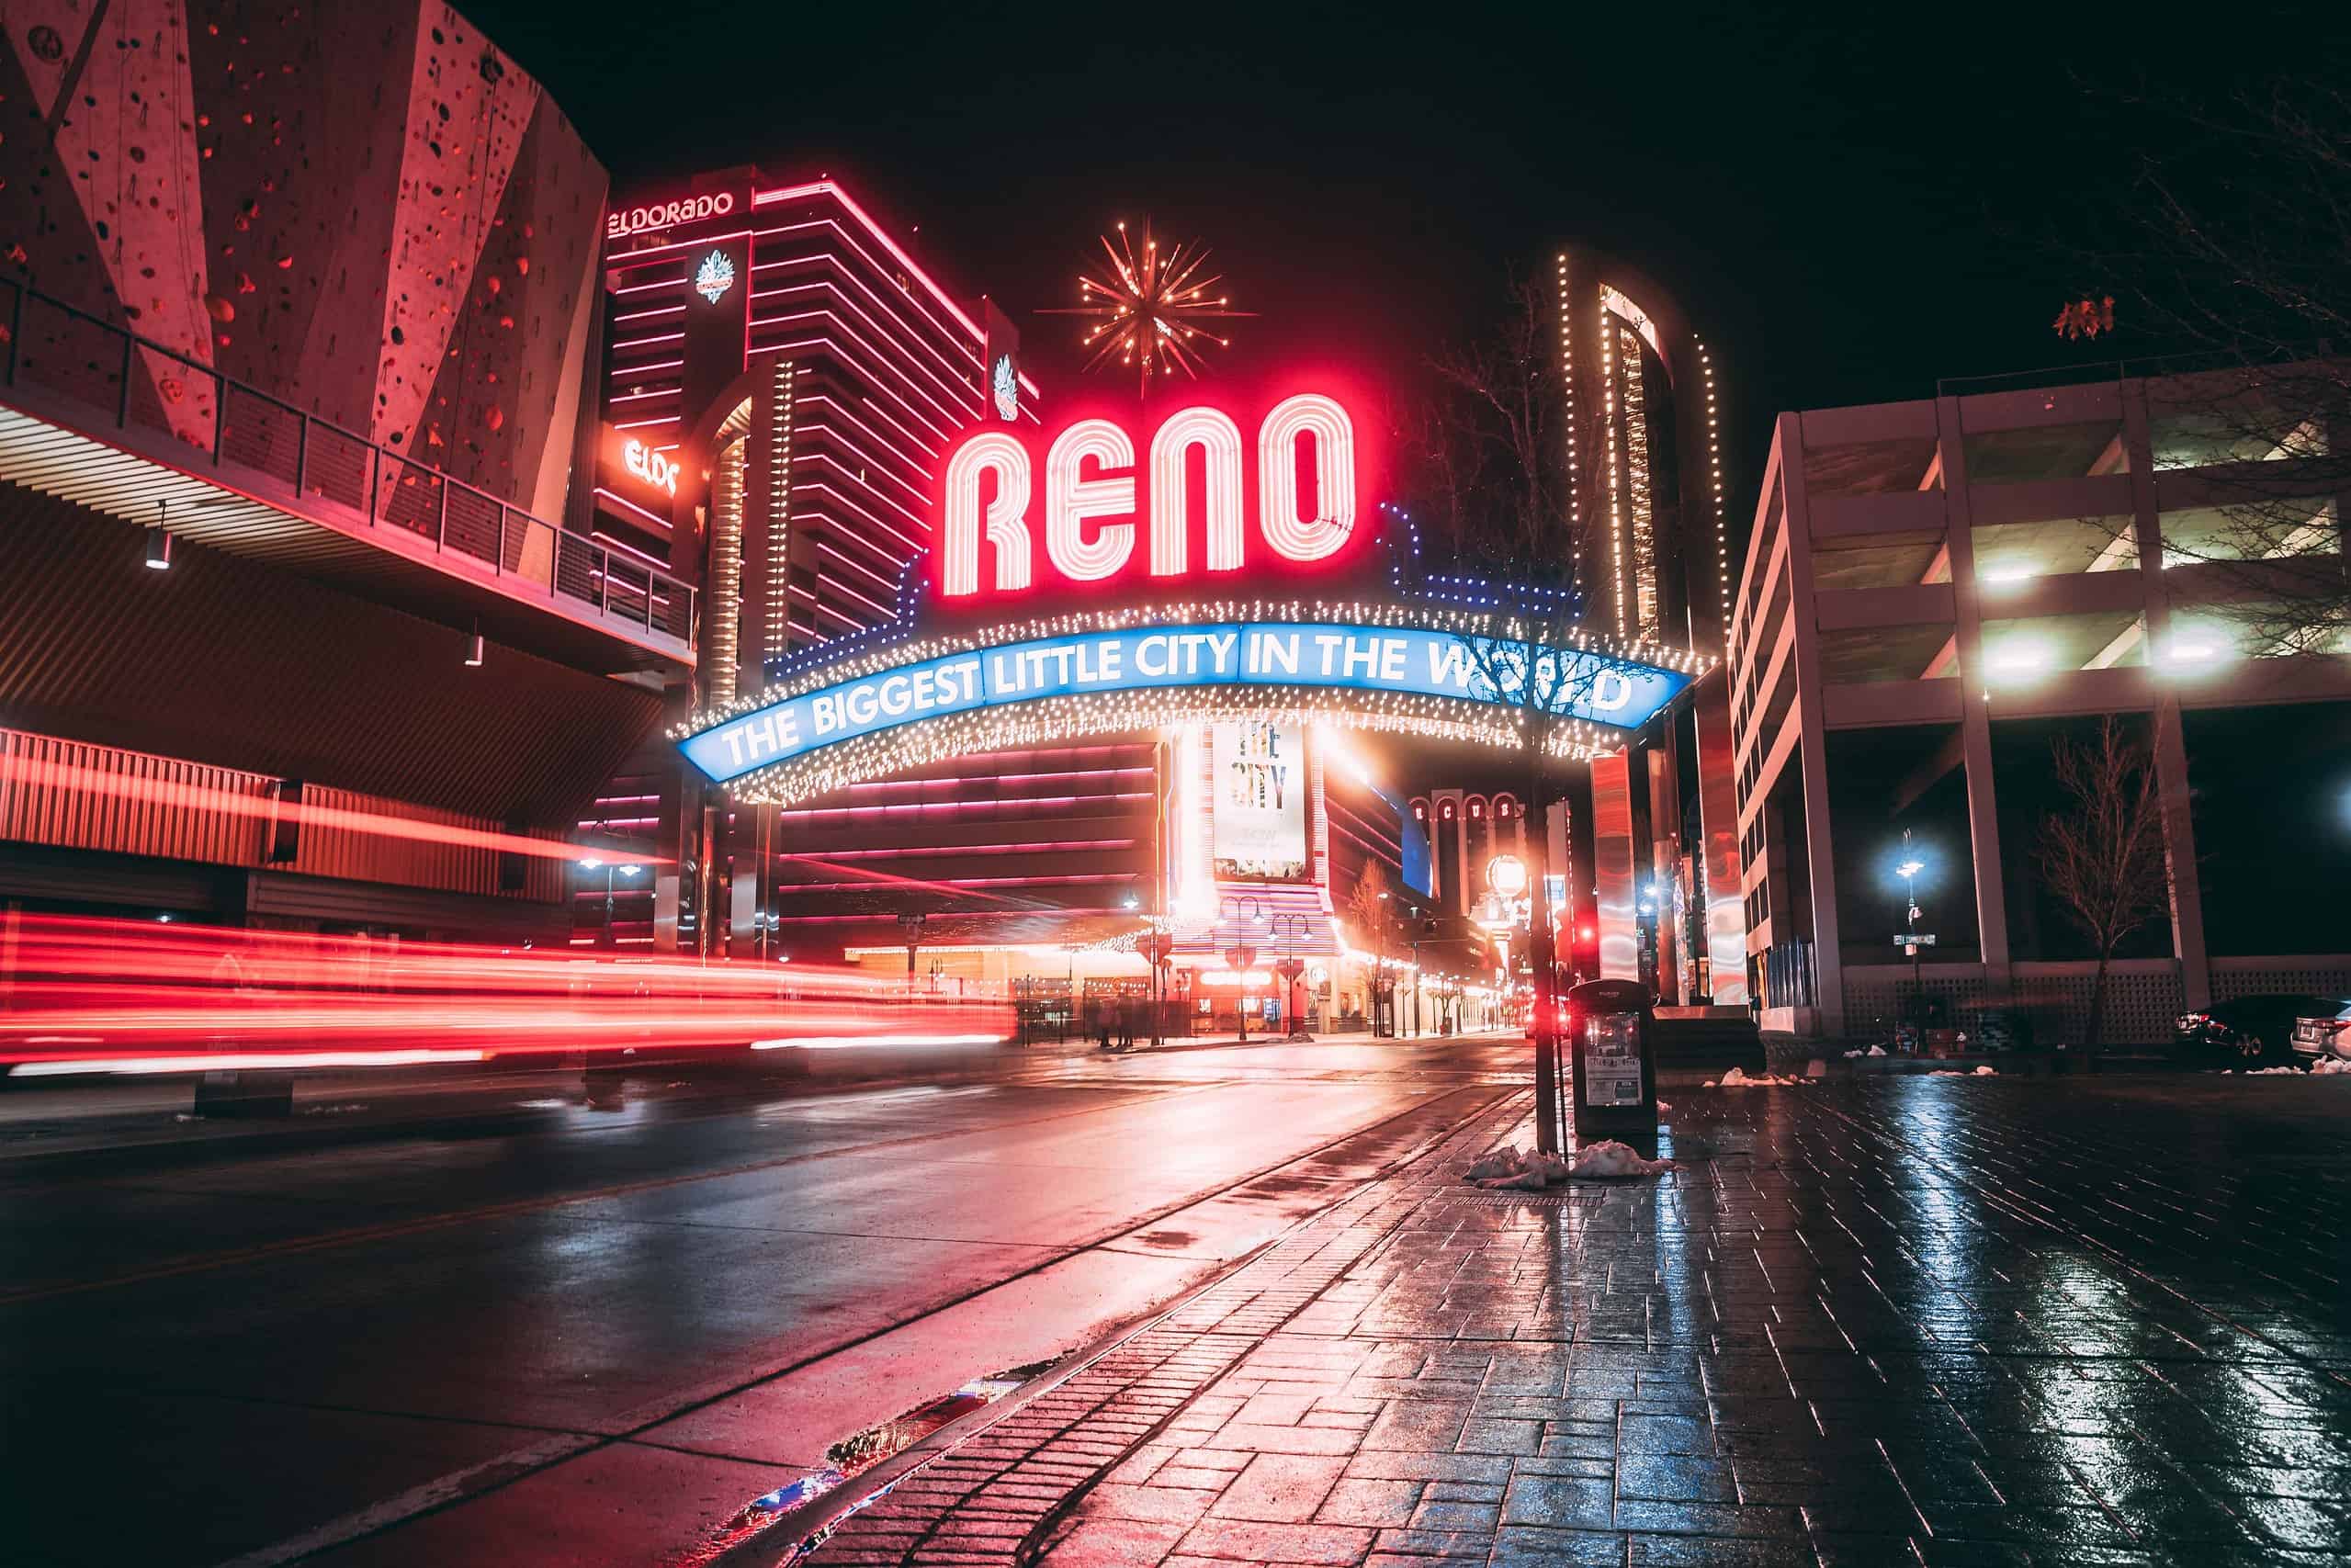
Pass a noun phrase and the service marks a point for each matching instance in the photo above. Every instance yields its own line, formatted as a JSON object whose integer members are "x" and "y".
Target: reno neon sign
{"x": 1093, "y": 502}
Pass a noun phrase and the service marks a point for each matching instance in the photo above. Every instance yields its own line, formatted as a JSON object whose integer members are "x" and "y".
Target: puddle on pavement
{"x": 851, "y": 1457}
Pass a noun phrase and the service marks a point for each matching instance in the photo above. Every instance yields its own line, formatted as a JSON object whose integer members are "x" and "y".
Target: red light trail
{"x": 132, "y": 996}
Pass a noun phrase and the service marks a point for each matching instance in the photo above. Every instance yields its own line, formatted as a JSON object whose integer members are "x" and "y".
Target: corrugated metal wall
{"x": 75, "y": 795}
{"x": 97, "y": 797}
{"x": 237, "y": 664}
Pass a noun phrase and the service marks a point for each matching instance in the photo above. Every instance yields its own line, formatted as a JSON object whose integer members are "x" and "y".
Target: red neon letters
{"x": 1097, "y": 495}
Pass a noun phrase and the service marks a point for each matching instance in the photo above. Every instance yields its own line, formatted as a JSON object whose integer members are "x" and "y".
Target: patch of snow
{"x": 1737, "y": 1078}
{"x": 1530, "y": 1171}
{"x": 1610, "y": 1158}
{"x": 1985, "y": 1072}
{"x": 2329, "y": 1065}
{"x": 333, "y": 1109}
{"x": 1505, "y": 1161}
{"x": 184, "y": 1116}
{"x": 2268, "y": 1072}
{"x": 1873, "y": 1050}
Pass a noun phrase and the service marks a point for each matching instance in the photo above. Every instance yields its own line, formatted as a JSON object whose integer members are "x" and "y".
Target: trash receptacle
{"x": 1614, "y": 1062}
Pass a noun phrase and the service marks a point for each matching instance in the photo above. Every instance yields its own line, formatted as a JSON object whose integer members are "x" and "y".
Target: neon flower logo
{"x": 1094, "y": 472}
{"x": 714, "y": 277}
{"x": 1006, "y": 384}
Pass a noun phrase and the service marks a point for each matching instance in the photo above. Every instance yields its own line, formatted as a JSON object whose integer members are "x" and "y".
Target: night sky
{"x": 1849, "y": 206}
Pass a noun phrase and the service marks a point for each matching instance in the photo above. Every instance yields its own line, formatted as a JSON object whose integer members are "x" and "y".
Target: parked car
{"x": 2324, "y": 1032}
{"x": 2247, "y": 1031}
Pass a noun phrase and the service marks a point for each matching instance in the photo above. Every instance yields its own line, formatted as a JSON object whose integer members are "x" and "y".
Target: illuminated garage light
{"x": 2020, "y": 657}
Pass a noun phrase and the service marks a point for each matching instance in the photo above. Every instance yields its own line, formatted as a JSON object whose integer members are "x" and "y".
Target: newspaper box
{"x": 1615, "y": 1082}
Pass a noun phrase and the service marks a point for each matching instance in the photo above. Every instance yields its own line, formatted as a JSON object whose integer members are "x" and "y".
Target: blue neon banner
{"x": 1408, "y": 659}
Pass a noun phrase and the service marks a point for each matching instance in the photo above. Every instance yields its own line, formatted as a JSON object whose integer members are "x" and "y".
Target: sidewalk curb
{"x": 807, "y": 1529}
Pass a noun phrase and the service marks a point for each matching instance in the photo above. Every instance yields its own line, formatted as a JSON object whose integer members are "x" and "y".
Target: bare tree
{"x": 2104, "y": 859}
{"x": 1497, "y": 494}
{"x": 2234, "y": 269}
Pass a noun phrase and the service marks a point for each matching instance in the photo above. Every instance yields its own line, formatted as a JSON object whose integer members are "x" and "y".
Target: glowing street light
{"x": 1908, "y": 870}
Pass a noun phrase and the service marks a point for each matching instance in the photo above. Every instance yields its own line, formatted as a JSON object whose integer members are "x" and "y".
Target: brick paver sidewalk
{"x": 1919, "y": 1321}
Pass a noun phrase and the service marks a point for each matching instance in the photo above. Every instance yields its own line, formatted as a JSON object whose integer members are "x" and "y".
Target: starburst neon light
{"x": 1146, "y": 303}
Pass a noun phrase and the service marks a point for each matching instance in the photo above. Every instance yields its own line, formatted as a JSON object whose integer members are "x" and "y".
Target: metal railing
{"x": 72, "y": 356}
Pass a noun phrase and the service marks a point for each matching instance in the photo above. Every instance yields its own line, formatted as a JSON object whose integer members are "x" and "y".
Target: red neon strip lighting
{"x": 825, "y": 399}
{"x": 826, "y": 347}
{"x": 884, "y": 584}
{"x": 1066, "y": 846}
{"x": 808, "y": 248}
{"x": 953, "y": 381}
{"x": 627, "y": 505}
{"x": 961, "y": 372}
{"x": 957, "y": 418}
{"x": 823, "y": 815}
{"x": 623, "y": 547}
{"x": 817, "y": 487}
{"x": 635, "y": 255}
{"x": 874, "y": 466}
{"x": 965, "y": 884}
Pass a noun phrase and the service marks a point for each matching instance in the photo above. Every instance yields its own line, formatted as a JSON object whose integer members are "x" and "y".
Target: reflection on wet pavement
{"x": 1891, "y": 1321}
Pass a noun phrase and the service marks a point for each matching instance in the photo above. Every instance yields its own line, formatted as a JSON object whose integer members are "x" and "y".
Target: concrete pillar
{"x": 1820, "y": 860}
{"x": 1664, "y": 863}
{"x": 2167, "y": 742}
{"x": 1617, "y": 901}
{"x": 1975, "y": 717}
{"x": 1718, "y": 825}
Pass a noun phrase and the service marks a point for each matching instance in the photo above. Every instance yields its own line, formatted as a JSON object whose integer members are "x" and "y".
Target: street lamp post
{"x": 1379, "y": 971}
{"x": 1414, "y": 910}
{"x": 1908, "y": 871}
{"x": 609, "y": 937}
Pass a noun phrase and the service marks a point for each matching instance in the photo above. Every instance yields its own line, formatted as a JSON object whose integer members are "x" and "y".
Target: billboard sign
{"x": 1258, "y": 802}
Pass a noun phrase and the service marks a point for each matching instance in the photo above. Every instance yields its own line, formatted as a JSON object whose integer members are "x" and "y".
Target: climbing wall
{"x": 367, "y": 210}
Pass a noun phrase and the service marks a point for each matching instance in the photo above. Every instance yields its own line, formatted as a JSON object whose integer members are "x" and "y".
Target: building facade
{"x": 1650, "y": 843}
{"x": 302, "y": 626}
{"x": 1938, "y": 592}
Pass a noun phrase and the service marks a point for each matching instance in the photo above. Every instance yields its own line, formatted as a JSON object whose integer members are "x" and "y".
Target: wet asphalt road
{"x": 252, "y": 1352}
